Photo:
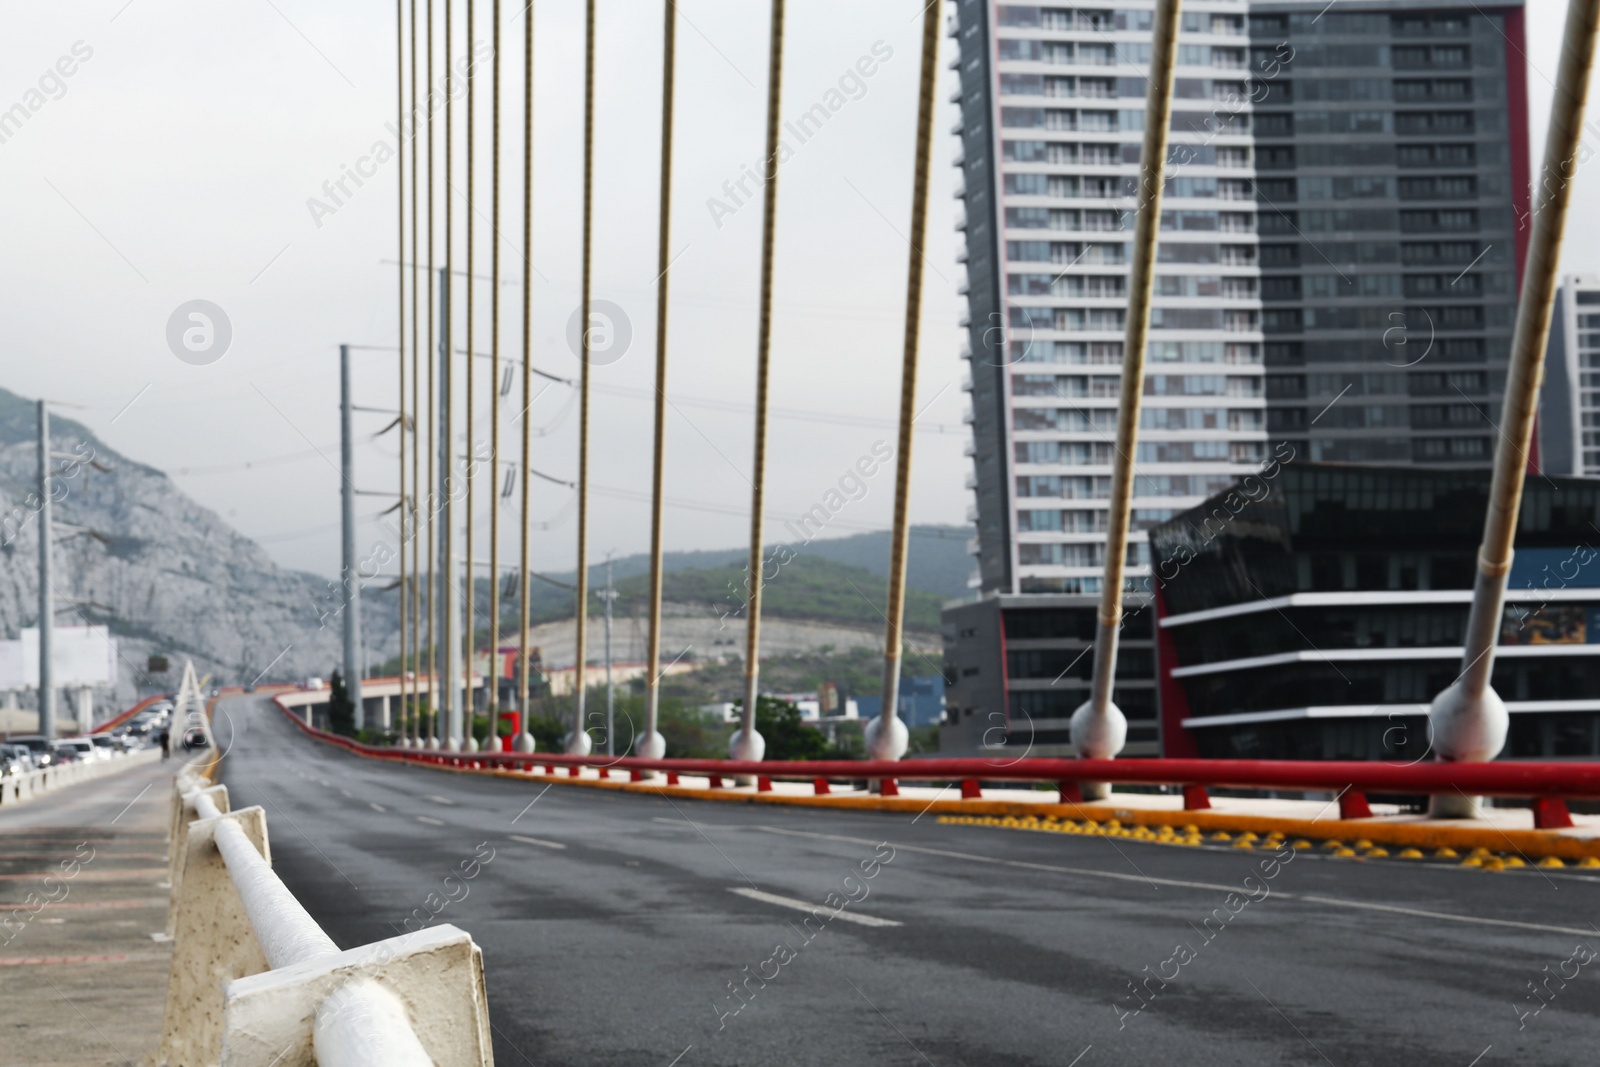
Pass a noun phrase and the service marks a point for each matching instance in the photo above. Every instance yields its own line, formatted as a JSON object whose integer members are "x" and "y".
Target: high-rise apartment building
{"x": 1569, "y": 403}
{"x": 1343, "y": 221}
{"x": 1392, "y": 188}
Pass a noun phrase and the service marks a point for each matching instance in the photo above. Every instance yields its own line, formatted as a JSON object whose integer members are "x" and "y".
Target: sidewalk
{"x": 82, "y": 889}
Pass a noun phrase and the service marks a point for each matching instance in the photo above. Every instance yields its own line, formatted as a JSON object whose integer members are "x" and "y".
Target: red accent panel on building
{"x": 1005, "y": 670}
{"x": 1176, "y": 742}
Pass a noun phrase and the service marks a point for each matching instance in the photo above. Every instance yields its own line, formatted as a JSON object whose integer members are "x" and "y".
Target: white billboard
{"x": 81, "y": 655}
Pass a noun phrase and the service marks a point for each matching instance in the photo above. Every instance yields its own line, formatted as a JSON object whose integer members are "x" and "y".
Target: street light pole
{"x": 47, "y": 615}
{"x": 349, "y": 577}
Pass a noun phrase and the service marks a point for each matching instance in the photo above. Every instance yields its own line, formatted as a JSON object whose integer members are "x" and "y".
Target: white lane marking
{"x": 376, "y": 807}
{"x": 808, "y": 906}
{"x": 430, "y": 821}
{"x": 1446, "y": 915}
{"x": 440, "y": 800}
{"x": 1112, "y": 875}
{"x": 536, "y": 841}
{"x": 1308, "y": 898}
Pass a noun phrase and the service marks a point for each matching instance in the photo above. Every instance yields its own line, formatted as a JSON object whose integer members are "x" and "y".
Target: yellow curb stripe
{"x": 1535, "y": 844}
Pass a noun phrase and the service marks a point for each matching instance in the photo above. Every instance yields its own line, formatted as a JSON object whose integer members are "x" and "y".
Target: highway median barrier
{"x": 21, "y": 788}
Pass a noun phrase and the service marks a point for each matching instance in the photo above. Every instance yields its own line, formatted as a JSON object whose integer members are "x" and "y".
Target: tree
{"x": 786, "y": 734}
{"x": 341, "y": 709}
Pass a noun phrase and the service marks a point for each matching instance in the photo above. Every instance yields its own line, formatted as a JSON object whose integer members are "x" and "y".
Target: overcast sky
{"x": 178, "y": 160}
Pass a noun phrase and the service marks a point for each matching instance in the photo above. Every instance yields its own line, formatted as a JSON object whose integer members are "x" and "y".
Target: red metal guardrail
{"x": 117, "y": 720}
{"x": 1546, "y": 784}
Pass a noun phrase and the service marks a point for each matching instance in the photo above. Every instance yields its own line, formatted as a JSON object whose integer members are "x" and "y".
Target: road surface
{"x": 624, "y": 929}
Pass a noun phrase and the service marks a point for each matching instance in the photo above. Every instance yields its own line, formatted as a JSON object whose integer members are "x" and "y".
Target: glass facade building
{"x": 1342, "y": 222}
{"x": 1314, "y": 611}
{"x": 1392, "y": 185}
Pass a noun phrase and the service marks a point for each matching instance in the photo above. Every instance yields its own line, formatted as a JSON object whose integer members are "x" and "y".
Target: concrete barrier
{"x": 19, "y": 789}
{"x": 255, "y": 982}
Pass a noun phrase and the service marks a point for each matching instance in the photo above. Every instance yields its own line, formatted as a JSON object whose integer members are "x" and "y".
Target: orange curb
{"x": 1532, "y": 844}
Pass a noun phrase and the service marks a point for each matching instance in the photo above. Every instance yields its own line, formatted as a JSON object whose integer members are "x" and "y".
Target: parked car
{"x": 313, "y": 683}
{"x": 22, "y": 754}
{"x": 195, "y": 738}
{"x": 65, "y": 753}
{"x": 13, "y": 764}
{"x": 104, "y": 745}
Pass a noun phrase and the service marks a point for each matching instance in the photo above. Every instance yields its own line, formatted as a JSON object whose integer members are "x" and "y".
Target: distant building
{"x": 1569, "y": 403}
{"x": 1016, "y": 668}
{"x": 1316, "y": 614}
{"x": 1342, "y": 231}
{"x": 921, "y": 703}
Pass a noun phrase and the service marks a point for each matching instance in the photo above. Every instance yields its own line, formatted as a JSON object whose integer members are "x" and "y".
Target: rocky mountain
{"x": 165, "y": 574}
{"x": 171, "y": 577}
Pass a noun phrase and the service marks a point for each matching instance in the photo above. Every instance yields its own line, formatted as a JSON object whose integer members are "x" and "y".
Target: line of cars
{"x": 32, "y": 752}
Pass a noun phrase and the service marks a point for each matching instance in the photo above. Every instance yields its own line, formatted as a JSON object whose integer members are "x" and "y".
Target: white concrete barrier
{"x": 255, "y": 981}
{"x": 19, "y": 789}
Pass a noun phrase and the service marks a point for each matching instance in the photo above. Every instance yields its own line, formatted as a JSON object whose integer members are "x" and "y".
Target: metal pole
{"x": 431, "y": 729}
{"x": 416, "y": 384}
{"x": 47, "y": 613}
{"x": 649, "y": 743}
{"x": 610, "y": 688}
{"x": 469, "y": 625}
{"x": 525, "y": 738}
{"x": 1468, "y": 720}
{"x": 350, "y": 578}
{"x": 450, "y": 736}
{"x": 1099, "y": 729}
{"x": 492, "y": 679}
{"x": 447, "y": 444}
{"x": 746, "y": 742}
{"x": 580, "y": 743}
{"x": 886, "y": 736}
{"x": 400, "y": 271}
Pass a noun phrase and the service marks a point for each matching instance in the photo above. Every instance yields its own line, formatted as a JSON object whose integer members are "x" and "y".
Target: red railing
{"x": 117, "y": 720}
{"x": 1548, "y": 785}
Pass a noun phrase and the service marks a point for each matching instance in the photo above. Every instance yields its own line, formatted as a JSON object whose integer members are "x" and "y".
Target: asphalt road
{"x": 614, "y": 927}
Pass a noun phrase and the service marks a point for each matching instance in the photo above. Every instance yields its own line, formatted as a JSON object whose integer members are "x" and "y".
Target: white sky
{"x": 179, "y": 162}
{"x": 193, "y": 137}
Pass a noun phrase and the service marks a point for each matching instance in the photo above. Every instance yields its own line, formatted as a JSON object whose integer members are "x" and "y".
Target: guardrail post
{"x": 1195, "y": 798}
{"x": 432, "y": 979}
{"x": 1070, "y": 793}
{"x": 1353, "y": 805}
{"x": 213, "y": 942}
{"x": 1550, "y": 813}
{"x": 970, "y": 789}
{"x": 178, "y": 852}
